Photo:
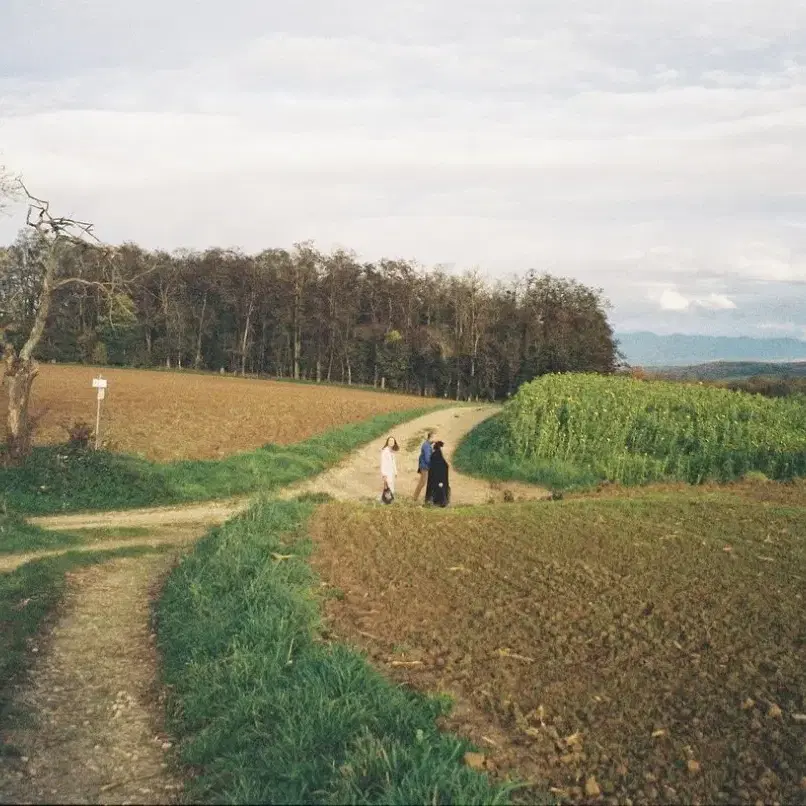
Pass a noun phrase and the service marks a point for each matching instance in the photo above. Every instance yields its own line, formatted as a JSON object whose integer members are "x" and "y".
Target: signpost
{"x": 99, "y": 383}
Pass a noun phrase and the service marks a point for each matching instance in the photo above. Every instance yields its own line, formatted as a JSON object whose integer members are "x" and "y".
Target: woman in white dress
{"x": 389, "y": 464}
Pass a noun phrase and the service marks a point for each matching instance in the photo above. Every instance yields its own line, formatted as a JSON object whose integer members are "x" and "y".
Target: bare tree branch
{"x": 81, "y": 281}
{"x": 47, "y": 225}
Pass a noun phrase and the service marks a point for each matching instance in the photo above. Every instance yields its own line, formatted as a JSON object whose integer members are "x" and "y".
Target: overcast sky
{"x": 654, "y": 149}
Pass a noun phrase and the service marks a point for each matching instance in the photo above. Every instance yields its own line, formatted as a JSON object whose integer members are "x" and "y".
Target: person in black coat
{"x": 437, "y": 489}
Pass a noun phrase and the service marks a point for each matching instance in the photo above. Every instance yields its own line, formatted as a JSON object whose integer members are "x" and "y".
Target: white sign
{"x": 99, "y": 383}
{"x": 101, "y": 393}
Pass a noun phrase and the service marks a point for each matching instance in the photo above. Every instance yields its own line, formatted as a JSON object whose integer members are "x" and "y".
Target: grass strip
{"x": 267, "y": 711}
{"x": 28, "y": 595}
{"x": 55, "y": 480}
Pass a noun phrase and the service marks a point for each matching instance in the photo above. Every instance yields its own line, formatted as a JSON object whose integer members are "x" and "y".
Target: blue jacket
{"x": 425, "y": 456}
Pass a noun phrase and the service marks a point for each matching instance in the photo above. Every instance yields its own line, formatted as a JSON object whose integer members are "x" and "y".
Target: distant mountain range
{"x": 734, "y": 370}
{"x": 646, "y": 349}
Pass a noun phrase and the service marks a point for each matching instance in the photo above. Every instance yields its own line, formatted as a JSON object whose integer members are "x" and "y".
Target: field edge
{"x": 340, "y": 731}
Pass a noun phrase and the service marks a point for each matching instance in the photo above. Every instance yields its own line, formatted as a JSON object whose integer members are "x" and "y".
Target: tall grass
{"x": 486, "y": 452}
{"x": 57, "y": 480}
{"x": 575, "y": 429}
{"x": 266, "y": 710}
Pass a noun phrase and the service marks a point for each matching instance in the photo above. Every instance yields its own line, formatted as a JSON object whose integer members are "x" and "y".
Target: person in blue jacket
{"x": 423, "y": 464}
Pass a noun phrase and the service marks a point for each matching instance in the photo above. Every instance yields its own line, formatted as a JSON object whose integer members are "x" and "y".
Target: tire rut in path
{"x": 95, "y": 734}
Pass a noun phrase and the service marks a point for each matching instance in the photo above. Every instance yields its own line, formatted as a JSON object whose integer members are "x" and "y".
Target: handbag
{"x": 387, "y": 496}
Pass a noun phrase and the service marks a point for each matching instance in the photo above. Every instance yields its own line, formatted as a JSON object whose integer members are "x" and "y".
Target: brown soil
{"x": 579, "y": 661}
{"x": 92, "y": 692}
{"x": 174, "y": 415}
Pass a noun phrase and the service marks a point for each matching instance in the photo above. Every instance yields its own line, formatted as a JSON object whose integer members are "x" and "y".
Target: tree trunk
{"x": 21, "y": 370}
{"x": 197, "y": 362}
{"x": 245, "y": 340}
{"x": 297, "y": 353}
{"x": 20, "y": 375}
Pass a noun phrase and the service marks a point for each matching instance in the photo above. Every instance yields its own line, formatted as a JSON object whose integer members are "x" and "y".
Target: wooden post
{"x": 100, "y": 385}
{"x": 98, "y": 421}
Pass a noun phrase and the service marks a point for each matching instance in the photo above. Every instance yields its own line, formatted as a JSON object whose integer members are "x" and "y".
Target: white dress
{"x": 389, "y": 467}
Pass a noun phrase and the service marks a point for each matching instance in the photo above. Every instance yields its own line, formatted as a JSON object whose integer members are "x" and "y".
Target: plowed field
{"x": 171, "y": 415}
{"x": 650, "y": 649}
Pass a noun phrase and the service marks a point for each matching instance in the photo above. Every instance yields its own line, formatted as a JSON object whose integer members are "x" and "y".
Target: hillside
{"x": 735, "y": 370}
{"x": 679, "y": 350}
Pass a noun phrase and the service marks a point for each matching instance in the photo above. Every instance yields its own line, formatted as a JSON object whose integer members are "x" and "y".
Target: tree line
{"x": 305, "y": 314}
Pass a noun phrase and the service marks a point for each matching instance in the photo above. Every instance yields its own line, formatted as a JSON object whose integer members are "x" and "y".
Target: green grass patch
{"x": 55, "y": 480}
{"x": 101, "y": 534}
{"x": 28, "y": 595}
{"x": 265, "y": 709}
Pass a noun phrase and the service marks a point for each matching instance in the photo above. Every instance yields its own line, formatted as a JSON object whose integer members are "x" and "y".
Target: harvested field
{"x": 650, "y": 648}
{"x": 165, "y": 416}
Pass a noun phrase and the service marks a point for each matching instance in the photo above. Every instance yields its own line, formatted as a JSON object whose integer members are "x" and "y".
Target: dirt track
{"x": 96, "y": 735}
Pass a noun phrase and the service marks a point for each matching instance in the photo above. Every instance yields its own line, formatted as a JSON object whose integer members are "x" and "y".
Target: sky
{"x": 648, "y": 148}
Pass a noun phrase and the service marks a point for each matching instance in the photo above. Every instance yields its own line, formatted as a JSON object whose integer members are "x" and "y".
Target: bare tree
{"x": 57, "y": 251}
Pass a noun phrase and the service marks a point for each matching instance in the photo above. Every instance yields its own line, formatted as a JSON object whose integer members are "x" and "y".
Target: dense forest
{"x": 304, "y": 314}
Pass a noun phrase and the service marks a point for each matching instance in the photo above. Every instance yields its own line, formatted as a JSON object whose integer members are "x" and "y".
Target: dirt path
{"x": 358, "y": 478}
{"x": 163, "y": 536}
{"x": 210, "y": 512}
{"x": 92, "y": 691}
{"x": 95, "y": 738}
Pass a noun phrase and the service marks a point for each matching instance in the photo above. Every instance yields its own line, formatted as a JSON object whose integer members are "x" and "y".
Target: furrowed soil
{"x": 645, "y": 648}
{"x": 166, "y": 416}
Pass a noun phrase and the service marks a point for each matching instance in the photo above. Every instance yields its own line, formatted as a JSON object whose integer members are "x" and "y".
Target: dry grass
{"x": 166, "y": 416}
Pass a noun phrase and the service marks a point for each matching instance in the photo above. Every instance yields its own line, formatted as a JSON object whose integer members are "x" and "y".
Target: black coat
{"x": 437, "y": 489}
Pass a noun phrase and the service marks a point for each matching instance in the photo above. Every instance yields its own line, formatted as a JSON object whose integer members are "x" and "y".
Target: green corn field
{"x": 634, "y": 431}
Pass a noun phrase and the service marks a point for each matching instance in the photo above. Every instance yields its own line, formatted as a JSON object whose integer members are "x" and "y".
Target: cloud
{"x": 648, "y": 149}
{"x": 716, "y": 302}
{"x": 673, "y": 301}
